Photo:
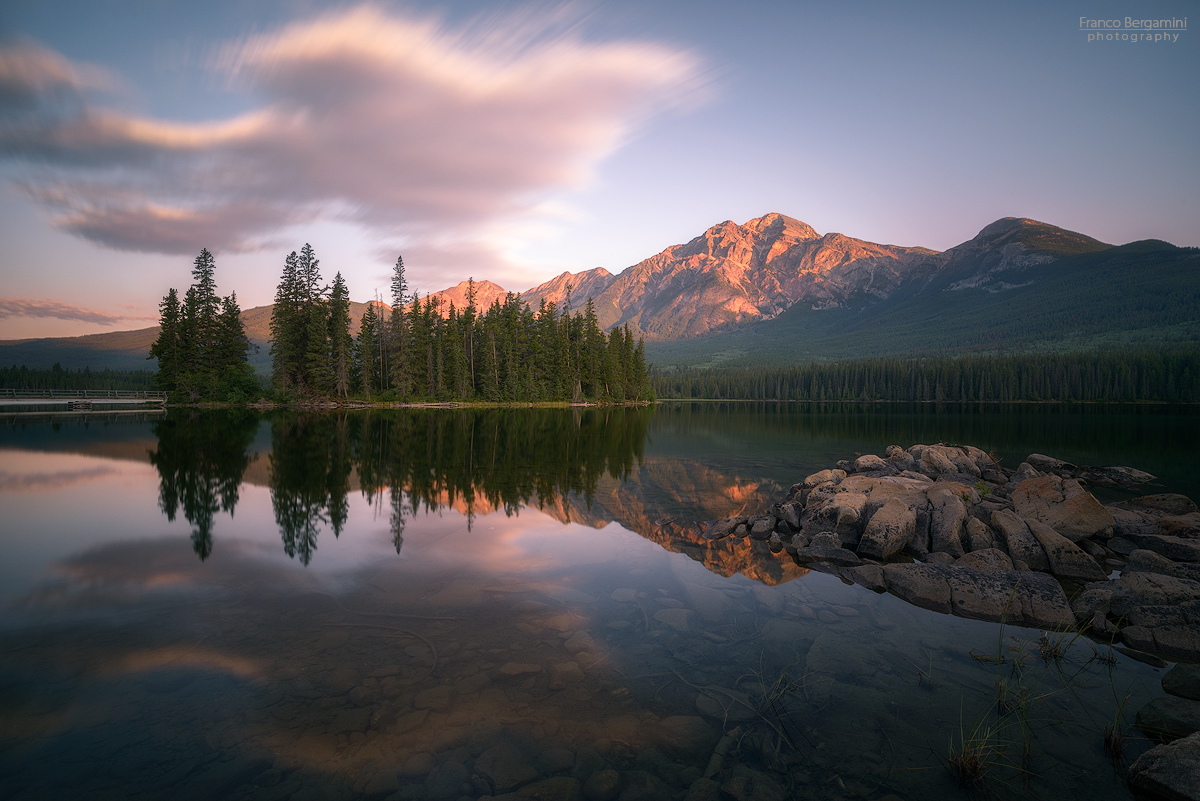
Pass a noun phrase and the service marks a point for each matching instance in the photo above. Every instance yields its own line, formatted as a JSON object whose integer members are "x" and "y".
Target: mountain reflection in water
{"x": 571, "y": 464}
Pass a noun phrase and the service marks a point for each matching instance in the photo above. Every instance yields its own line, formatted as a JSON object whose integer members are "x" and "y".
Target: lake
{"x": 448, "y": 604}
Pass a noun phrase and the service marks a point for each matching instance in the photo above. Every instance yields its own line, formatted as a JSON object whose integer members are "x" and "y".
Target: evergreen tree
{"x": 340, "y": 344}
{"x": 287, "y": 343}
{"x": 398, "y": 333}
{"x": 366, "y": 351}
{"x": 167, "y": 347}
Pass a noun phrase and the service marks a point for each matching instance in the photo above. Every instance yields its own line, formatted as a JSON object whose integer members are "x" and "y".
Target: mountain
{"x": 732, "y": 275}
{"x": 774, "y": 290}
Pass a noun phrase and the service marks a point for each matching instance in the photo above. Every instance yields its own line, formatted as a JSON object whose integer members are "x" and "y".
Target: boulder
{"x": 1176, "y": 549}
{"x": 825, "y": 553}
{"x": 1048, "y": 464}
{"x": 723, "y": 528}
{"x": 1067, "y": 560}
{"x": 1165, "y": 503}
{"x": 761, "y": 526}
{"x": 888, "y": 530}
{"x": 1185, "y": 526}
{"x": 1020, "y": 543}
{"x": 1064, "y": 506}
{"x": 1168, "y": 718}
{"x": 870, "y": 462}
{"x": 1019, "y": 598}
{"x": 1170, "y": 771}
{"x": 685, "y": 737}
{"x": 1131, "y": 590}
{"x": 1183, "y": 681}
{"x": 1143, "y": 561}
{"x": 947, "y": 521}
{"x": 980, "y": 536}
{"x": 1171, "y": 630}
{"x": 986, "y": 559}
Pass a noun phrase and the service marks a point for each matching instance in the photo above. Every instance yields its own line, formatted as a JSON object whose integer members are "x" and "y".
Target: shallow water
{"x": 459, "y": 604}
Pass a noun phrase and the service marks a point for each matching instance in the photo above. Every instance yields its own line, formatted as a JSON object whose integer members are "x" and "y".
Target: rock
{"x": 558, "y": 788}
{"x": 1164, "y": 503}
{"x": 677, "y": 619}
{"x": 1023, "y": 599}
{"x": 824, "y": 476}
{"x": 685, "y": 737}
{"x": 1183, "y": 526}
{"x": 1143, "y": 561}
{"x": 748, "y": 784}
{"x": 923, "y": 585}
{"x": 1170, "y": 771}
{"x": 579, "y": 641}
{"x": 939, "y": 558}
{"x": 445, "y": 780}
{"x": 1067, "y": 560}
{"x": 723, "y": 528}
{"x": 934, "y": 463}
{"x": 900, "y": 459}
{"x": 1019, "y": 541}
{"x": 888, "y": 530}
{"x": 1064, "y": 506}
{"x": 505, "y": 767}
{"x": 1170, "y": 630}
{"x": 835, "y": 556}
{"x": 564, "y": 674}
{"x": 1169, "y": 718}
{"x": 869, "y": 576}
{"x": 1048, "y": 464}
{"x": 790, "y": 514}
{"x": 642, "y": 785}
{"x": 1116, "y": 476}
{"x": 986, "y": 559}
{"x": 439, "y": 698}
{"x": 703, "y": 790}
{"x": 1132, "y": 590}
{"x": 603, "y": 785}
{"x": 980, "y": 536}
{"x": 624, "y": 595}
{"x": 1174, "y": 548}
{"x": 1183, "y": 681}
{"x": 946, "y": 524}
{"x": 513, "y": 669}
{"x": 870, "y": 462}
{"x": 761, "y": 526}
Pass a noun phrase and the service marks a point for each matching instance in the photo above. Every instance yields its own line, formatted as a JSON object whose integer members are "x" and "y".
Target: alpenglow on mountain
{"x": 775, "y": 289}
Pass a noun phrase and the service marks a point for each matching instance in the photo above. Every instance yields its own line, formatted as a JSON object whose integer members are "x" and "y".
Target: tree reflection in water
{"x": 424, "y": 459}
{"x": 200, "y": 458}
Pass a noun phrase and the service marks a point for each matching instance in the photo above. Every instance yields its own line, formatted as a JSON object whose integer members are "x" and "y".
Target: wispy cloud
{"x": 20, "y": 307}
{"x": 401, "y": 125}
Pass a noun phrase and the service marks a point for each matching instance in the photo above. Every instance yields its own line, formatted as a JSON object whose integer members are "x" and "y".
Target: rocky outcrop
{"x": 947, "y": 528}
{"x": 1169, "y": 771}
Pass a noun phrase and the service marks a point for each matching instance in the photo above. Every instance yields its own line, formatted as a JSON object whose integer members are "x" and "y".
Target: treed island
{"x": 415, "y": 352}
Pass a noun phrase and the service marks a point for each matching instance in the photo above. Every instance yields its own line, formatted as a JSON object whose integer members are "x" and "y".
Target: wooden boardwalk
{"x": 79, "y": 400}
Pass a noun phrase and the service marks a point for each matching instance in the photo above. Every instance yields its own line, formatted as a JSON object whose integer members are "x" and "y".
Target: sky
{"x": 513, "y": 141}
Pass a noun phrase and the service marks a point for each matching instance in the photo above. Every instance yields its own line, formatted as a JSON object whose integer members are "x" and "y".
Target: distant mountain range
{"x": 774, "y": 290}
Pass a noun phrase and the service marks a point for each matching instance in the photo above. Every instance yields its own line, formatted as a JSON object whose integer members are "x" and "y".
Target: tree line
{"x": 202, "y": 346}
{"x": 419, "y": 351}
{"x": 1171, "y": 376}
{"x": 59, "y": 377}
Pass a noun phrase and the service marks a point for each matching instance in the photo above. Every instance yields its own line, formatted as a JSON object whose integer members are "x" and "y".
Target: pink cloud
{"x": 20, "y": 307}
{"x": 400, "y": 125}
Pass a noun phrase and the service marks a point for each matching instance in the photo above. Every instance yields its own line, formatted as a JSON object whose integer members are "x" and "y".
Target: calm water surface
{"x": 449, "y": 604}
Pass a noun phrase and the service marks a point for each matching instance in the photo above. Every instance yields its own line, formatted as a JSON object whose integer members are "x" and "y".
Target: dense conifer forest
{"x": 1171, "y": 376}
{"x": 202, "y": 346}
{"x": 58, "y": 377}
{"x": 421, "y": 352}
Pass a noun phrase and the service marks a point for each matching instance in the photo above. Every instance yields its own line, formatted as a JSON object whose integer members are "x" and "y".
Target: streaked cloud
{"x": 417, "y": 132}
{"x": 42, "y": 307}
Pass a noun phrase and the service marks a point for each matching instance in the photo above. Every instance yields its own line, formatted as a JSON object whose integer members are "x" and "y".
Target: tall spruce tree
{"x": 167, "y": 347}
{"x": 340, "y": 344}
{"x": 399, "y": 337}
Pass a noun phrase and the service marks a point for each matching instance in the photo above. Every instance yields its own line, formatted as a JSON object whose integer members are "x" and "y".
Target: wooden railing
{"x": 88, "y": 394}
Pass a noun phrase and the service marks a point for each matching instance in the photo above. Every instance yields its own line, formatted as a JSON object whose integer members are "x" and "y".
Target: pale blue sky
{"x": 512, "y": 141}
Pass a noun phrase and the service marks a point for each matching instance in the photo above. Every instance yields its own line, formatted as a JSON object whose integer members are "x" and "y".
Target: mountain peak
{"x": 1037, "y": 237}
{"x": 775, "y": 224}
